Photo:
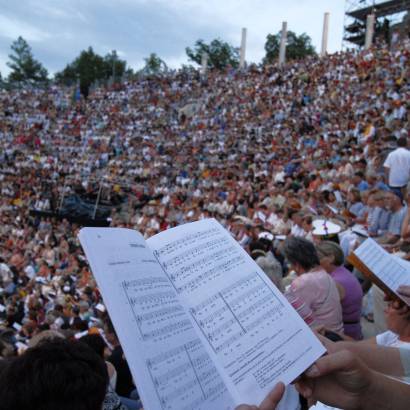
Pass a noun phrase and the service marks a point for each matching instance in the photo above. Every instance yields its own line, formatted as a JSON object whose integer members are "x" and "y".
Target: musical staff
{"x": 185, "y": 377}
{"x": 157, "y": 314}
{"x": 189, "y": 239}
{"x": 235, "y": 311}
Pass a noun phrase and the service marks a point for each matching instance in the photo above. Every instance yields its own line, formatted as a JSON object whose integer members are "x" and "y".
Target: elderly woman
{"x": 331, "y": 260}
{"x": 313, "y": 293}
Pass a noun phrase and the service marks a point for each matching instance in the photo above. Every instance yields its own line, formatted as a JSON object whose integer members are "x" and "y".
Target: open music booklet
{"x": 201, "y": 325}
{"x": 387, "y": 271}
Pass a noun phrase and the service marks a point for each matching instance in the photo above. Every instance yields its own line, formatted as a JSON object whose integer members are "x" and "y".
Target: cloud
{"x": 11, "y": 28}
{"x": 59, "y": 30}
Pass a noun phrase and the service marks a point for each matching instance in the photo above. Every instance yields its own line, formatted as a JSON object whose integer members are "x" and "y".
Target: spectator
{"x": 351, "y": 295}
{"x": 313, "y": 293}
{"x": 56, "y": 374}
{"x": 397, "y": 166}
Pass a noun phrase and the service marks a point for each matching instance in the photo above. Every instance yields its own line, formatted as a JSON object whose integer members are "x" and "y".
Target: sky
{"x": 57, "y": 30}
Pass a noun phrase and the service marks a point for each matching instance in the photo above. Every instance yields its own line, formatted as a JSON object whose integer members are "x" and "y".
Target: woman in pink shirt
{"x": 313, "y": 293}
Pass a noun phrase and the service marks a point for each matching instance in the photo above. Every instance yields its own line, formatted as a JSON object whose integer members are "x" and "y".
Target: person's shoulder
{"x": 387, "y": 338}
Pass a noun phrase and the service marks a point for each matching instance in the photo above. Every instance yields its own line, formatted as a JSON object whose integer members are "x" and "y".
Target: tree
{"x": 89, "y": 67}
{"x": 114, "y": 66}
{"x": 154, "y": 65}
{"x": 297, "y": 47}
{"x": 24, "y": 67}
{"x": 220, "y": 54}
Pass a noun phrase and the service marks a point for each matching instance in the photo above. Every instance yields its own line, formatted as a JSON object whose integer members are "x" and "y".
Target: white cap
{"x": 266, "y": 235}
{"x": 323, "y": 227}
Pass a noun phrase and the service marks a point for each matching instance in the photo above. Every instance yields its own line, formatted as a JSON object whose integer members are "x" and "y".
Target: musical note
{"x": 168, "y": 330}
{"x": 185, "y": 376}
{"x": 144, "y": 282}
{"x": 161, "y": 297}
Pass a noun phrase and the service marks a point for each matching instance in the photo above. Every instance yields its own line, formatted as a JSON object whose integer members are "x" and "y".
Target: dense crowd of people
{"x": 300, "y": 163}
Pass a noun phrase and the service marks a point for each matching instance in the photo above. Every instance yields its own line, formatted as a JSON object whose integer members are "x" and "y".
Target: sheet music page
{"x": 250, "y": 330}
{"x": 169, "y": 364}
{"x": 390, "y": 269}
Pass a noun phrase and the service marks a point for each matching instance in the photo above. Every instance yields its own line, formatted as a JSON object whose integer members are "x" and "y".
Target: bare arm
{"x": 341, "y": 379}
{"x": 385, "y": 360}
{"x": 387, "y": 174}
{"x": 405, "y": 229}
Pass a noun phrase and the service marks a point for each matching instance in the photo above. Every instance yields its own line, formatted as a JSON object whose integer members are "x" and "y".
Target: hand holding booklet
{"x": 201, "y": 325}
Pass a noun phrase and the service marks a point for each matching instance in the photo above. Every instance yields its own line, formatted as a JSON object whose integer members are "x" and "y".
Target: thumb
{"x": 342, "y": 360}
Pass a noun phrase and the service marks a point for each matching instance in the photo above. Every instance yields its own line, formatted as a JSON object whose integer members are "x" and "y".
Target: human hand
{"x": 270, "y": 402}
{"x": 338, "y": 379}
{"x": 402, "y": 304}
{"x": 404, "y": 290}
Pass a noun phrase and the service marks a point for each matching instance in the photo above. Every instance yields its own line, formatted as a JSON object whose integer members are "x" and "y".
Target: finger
{"x": 305, "y": 388}
{"x": 327, "y": 343}
{"x": 273, "y": 398}
{"x": 342, "y": 360}
{"x": 404, "y": 290}
{"x": 320, "y": 330}
{"x": 246, "y": 407}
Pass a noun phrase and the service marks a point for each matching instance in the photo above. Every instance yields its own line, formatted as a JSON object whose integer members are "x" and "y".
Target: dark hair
{"x": 56, "y": 374}
{"x": 301, "y": 251}
{"x": 402, "y": 142}
{"x": 96, "y": 342}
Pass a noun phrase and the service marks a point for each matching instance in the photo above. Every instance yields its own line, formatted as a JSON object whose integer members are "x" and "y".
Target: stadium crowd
{"x": 291, "y": 160}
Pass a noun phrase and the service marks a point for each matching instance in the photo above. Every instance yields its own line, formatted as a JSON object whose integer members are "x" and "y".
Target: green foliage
{"x": 220, "y": 54}
{"x": 24, "y": 67}
{"x": 297, "y": 47}
{"x": 89, "y": 67}
{"x": 154, "y": 65}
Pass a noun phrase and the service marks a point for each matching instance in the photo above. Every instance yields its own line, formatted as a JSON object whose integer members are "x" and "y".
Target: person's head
{"x": 393, "y": 201}
{"x": 297, "y": 218}
{"x": 354, "y": 196}
{"x": 55, "y": 374}
{"x": 301, "y": 254}
{"x": 402, "y": 142}
{"x": 96, "y": 342}
{"x": 398, "y": 322}
{"x": 257, "y": 249}
{"x": 330, "y": 255}
{"x": 358, "y": 177}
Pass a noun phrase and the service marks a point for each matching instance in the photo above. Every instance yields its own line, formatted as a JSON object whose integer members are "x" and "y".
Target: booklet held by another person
{"x": 385, "y": 270}
{"x": 201, "y": 325}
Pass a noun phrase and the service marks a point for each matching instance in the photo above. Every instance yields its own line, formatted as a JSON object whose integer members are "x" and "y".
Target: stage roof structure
{"x": 356, "y": 12}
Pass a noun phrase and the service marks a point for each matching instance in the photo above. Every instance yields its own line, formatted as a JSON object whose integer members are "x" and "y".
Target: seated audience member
{"x": 405, "y": 230}
{"x": 378, "y": 216}
{"x": 56, "y": 374}
{"x": 398, "y": 324}
{"x": 356, "y": 206}
{"x": 359, "y": 182}
{"x": 398, "y": 212}
{"x": 111, "y": 400}
{"x": 298, "y": 224}
{"x": 313, "y": 293}
{"x": 264, "y": 257}
{"x": 351, "y": 295}
{"x": 125, "y": 386}
{"x": 397, "y": 319}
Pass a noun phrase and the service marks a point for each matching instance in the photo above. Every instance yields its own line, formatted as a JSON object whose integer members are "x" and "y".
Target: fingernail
{"x": 312, "y": 371}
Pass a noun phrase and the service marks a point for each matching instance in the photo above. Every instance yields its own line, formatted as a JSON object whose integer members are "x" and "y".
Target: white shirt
{"x": 398, "y": 163}
{"x": 391, "y": 339}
